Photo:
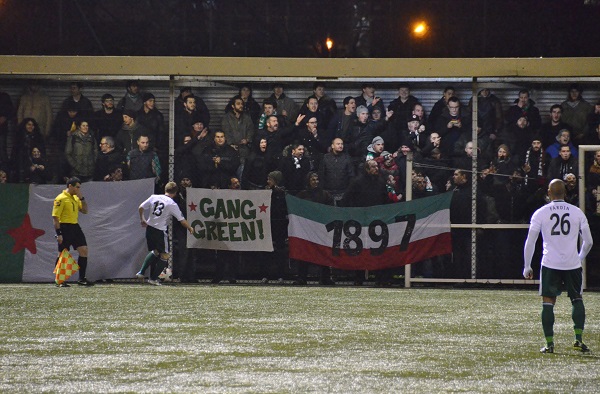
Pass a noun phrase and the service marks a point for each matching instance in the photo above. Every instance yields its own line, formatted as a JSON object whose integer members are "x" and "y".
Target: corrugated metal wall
{"x": 217, "y": 94}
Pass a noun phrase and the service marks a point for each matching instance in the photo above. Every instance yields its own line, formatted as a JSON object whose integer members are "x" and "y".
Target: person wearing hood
{"x": 258, "y": 165}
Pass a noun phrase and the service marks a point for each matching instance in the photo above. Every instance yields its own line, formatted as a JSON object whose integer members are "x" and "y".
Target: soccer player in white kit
{"x": 561, "y": 225}
{"x": 161, "y": 207}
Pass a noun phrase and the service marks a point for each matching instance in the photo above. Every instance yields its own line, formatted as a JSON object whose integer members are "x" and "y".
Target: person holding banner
{"x": 316, "y": 194}
{"x": 366, "y": 190}
{"x": 65, "y": 215}
{"x": 161, "y": 208}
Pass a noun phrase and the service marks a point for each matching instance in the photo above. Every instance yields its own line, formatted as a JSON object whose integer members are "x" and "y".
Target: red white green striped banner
{"x": 372, "y": 238}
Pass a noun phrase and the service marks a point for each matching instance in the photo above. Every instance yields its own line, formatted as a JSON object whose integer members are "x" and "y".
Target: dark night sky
{"x": 286, "y": 28}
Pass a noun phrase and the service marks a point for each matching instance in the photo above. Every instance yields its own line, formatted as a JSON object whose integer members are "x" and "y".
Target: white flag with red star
{"x": 237, "y": 220}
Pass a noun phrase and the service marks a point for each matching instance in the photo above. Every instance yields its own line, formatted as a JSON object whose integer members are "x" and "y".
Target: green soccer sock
{"x": 147, "y": 262}
{"x": 578, "y": 315}
{"x": 548, "y": 322}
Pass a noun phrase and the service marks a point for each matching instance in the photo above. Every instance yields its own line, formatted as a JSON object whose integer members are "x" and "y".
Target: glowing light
{"x": 420, "y": 29}
{"x": 329, "y": 43}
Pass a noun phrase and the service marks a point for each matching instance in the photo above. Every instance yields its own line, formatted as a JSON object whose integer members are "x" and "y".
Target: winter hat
{"x": 131, "y": 113}
{"x": 147, "y": 96}
{"x": 413, "y": 118}
{"x": 375, "y": 141}
{"x": 277, "y": 176}
{"x": 361, "y": 109}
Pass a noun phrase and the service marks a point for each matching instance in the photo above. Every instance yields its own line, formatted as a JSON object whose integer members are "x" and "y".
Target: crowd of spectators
{"x": 352, "y": 153}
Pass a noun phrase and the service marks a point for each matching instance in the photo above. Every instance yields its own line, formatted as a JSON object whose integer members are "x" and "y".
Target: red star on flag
{"x": 263, "y": 207}
{"x": 192, "y": 206}
{"x": 25, "y": 236}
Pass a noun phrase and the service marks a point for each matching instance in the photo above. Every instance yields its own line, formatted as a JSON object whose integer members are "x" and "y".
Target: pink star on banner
{"x": 263, "y": 207}
{"x": 25, "y": 236}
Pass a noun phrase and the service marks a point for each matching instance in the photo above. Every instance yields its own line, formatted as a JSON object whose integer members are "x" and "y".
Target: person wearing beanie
{"x": 276, "y": 178}
{"x": 358, "y": 138}
{"x": 129, "y": 133}
{"x": 375, "y": 149}
{"x": 153, "y": 120}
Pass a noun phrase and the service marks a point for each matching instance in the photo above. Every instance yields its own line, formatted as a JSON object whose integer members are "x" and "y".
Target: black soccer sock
{"x": 82, "y": 267}
{"x": 548, "y": 322}
{"x": 578, "y": 315}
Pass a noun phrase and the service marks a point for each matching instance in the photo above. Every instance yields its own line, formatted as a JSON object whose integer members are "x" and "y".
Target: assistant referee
{"x": 65, "y": 214}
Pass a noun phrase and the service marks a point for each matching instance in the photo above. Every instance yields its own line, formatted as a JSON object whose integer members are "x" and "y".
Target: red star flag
{"x": 115, "y": 239}
{"x": 372, "y": 238}
{"x": 230, "y": 219}
{"x": 65, "y": 267}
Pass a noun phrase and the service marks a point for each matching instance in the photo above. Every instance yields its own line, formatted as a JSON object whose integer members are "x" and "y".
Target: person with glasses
{"x": 108, "y": 158}
{"x": 65, "y": 216}
{"x": 451, "y": 124}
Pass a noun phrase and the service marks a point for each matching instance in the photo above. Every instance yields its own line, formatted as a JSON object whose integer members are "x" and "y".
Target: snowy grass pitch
{"x": 277, "y": 339}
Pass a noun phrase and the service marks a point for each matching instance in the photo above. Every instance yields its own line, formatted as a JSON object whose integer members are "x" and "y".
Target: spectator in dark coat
{"x": 295, "y": 167}
{"x": 258, "y": 165}
{"x": 336, "y": 170}
{"x": 219, "y": 163}
{"x": 28, "y": 136}
{"x": 524, "y": 106}
{"x": 108, "y": 158}
{"x": 314, "y": 193}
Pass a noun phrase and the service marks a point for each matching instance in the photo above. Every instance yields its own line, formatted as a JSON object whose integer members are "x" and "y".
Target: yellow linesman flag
{"x": 65, "y": 267}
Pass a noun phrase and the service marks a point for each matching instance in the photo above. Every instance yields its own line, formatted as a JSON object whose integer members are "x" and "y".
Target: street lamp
{"x": 420, "y": 29}
{"x": 329, "y": 45}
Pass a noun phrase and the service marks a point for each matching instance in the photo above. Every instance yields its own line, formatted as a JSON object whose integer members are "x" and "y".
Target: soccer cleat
{"x": 581, "y": 347}
{"x": 154, "y": 282}
{"x": 140, "y": 276}
{"x": 264, "y": 281}
{"x": 63, "y": 285}
{"x": 84, "y": 282}
{"x": 547, "y": 349}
